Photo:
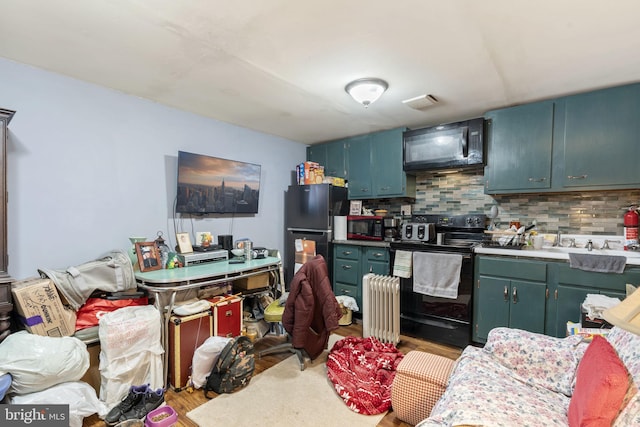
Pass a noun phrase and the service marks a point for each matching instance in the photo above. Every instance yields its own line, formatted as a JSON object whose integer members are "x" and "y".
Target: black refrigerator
{"x": 309, "y": 212}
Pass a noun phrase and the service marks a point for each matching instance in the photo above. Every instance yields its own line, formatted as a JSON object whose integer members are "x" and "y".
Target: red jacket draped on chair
{"x": 311, "y": 311}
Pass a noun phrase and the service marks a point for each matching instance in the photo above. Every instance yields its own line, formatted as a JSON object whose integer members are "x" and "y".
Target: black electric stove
{"x": 443, "y": 320}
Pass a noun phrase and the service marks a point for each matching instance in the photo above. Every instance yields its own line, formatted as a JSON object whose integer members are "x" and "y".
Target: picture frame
{"x": 184, "y": 243}
{"x": 355, "y": 207}
{"x": 149, "y": 257}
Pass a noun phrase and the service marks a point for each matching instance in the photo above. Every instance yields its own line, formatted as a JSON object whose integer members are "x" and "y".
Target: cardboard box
{"x": 40, "y": 309}
{"x": 252, "y": 282}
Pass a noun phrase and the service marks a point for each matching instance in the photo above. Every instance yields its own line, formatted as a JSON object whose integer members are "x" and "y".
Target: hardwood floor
{"x": 184, "y": 401}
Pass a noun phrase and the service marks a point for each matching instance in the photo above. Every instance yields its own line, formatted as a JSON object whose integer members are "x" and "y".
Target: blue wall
{"x": 88, "y": 167}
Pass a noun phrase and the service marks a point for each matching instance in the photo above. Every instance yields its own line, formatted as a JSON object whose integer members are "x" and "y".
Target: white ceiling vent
{"x": 421, "y": 102}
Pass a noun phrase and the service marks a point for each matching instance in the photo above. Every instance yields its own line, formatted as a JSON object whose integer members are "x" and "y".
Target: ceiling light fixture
{"x": 366, "y": 91}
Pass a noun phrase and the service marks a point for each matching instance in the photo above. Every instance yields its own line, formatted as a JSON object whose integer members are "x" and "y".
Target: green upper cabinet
{"x": 520, "y": 142}
{"x": 359, "y": 166}
{"x": 317, "y": 153}
{"x": 375, "y": 166}
{"x": 331, "y": 155}
{"x": 371, "y": 163}
{"x": 389, "y": 180}
{"x": 601, "y": 137}
{"x": 588, "y": 141}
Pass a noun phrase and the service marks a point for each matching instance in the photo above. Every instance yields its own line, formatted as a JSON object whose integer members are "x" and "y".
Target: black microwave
{"x": 363, "y": 227}
{"x": 457, "y": 145}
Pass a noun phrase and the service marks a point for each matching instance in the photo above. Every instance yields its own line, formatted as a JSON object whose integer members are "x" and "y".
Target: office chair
{"x": 310, "y": 313}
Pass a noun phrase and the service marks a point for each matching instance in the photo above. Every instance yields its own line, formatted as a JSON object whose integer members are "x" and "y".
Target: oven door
{"x": 443, "y": 320}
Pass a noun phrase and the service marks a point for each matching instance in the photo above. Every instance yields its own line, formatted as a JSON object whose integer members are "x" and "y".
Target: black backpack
{"x": 233, "y": 369}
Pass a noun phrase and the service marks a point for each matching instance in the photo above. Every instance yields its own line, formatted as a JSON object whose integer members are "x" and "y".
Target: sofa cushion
{"x": 484, "y": 392}
{"x": 538, "y": 359}
{"x": 627, "y": 345}
{"x": 601, "y": 384}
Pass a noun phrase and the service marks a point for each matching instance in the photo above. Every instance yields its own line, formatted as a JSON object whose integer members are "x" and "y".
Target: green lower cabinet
{"x": 537, "y": 296}
{"x": 351, "y": 262}
{"x": 569, "y": 287}
{"x": 508, "y": 301}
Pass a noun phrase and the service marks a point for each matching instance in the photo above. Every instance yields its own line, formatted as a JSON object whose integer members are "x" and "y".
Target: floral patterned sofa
{"x": 525, "y": 379}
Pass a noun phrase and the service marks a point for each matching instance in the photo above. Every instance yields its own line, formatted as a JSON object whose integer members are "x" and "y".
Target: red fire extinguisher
{"x": 631, "y": 227}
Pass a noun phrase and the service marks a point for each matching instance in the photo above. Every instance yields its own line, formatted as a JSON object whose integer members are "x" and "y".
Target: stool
{"x": 420, "y": 380}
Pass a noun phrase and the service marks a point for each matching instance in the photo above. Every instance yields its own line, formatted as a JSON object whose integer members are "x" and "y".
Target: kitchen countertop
{"x": 374, "y": 243}
{"x": 556, "y": 253}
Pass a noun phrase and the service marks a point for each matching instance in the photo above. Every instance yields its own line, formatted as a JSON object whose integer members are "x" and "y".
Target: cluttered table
{"x": 166, "y": 283}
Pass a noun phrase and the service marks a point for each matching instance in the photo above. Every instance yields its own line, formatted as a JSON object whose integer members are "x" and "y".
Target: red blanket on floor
{"x": 362, "y": 371}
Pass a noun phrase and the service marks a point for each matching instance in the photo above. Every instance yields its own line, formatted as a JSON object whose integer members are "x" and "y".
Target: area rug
{"x": 283, "y": 395}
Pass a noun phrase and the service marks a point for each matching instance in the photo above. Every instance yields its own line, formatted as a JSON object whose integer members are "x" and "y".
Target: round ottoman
{"x": 420, "y": 380}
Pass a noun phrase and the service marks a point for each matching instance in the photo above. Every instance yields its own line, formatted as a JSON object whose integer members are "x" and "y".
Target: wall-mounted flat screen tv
{"x": 211, "y": 185}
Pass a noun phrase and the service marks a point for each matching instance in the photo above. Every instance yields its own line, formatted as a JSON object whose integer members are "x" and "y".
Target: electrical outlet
{"x": 405, "y": 210}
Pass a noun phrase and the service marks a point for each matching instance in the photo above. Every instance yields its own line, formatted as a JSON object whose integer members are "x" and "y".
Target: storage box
{"x": 40, "y": 308}
{"x": 186, "y": 334}
{"x": 588, "y": 322}
{"x": 227, "y": 317}
{"x": 252, "y": 282}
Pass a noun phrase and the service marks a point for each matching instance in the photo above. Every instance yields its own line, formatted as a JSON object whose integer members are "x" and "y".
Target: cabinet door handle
{"x": 346, "y": 267}
{"x": 576, "y": 176}
{"x": 378, "y": 255}
{"x": 506, "y": 293}
{"x": 555, "y": 294}
{"x": 515, "y": 295}
{"x": 546, "y": 293}
{"x": 346, "y": 252}
{"x": 537, "y": 179}
{"x": 384, "y": 188}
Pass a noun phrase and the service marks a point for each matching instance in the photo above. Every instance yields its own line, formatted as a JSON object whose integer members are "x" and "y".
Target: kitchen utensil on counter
{"x": 493, "y": 214}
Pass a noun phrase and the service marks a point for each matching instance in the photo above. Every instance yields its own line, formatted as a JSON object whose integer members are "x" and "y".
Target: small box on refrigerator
{"x": 186, "y": 334}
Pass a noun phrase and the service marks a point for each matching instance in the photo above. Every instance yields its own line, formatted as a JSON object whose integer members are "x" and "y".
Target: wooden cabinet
{"x": 371, "y": 163}
{"x": 331, "y": 155}
{"x": 509, "y": 293}
{"x": 601, "y": 142}
{"x": 569, "y": 287}
{"x": 359, "y": 167}
{"x": 351, "y": 262}
{"x": 582, "y": 142}
{"x": 375, "y": 167}
{"x": 520, "y": 142}
{"x": 538, "y": 296}
{"x": 5, "y": 118}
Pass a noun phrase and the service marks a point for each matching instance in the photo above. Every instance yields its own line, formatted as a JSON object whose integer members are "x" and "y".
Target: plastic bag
{"x": 204, "y": 358}
{"x": 94, "y": 308}
{"x": 36, "y": 362}
{"x": 80, "y": 397}
{"x": 130, "y": 351}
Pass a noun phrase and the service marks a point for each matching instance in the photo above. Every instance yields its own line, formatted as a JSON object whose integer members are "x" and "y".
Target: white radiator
{"x": 381, "y": 311}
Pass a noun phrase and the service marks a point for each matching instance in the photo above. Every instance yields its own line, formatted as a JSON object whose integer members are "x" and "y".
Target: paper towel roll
{"x": 340, "y": 228}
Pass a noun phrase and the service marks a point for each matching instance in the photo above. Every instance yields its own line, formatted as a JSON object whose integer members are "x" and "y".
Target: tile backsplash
{"x": 590, "y": 212}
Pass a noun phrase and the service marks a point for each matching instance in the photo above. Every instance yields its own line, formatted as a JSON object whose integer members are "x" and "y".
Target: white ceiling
{"x": 280, "y": 66}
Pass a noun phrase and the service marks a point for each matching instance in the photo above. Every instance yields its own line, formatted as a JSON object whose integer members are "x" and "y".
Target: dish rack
{"x": 506, "y": 239}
